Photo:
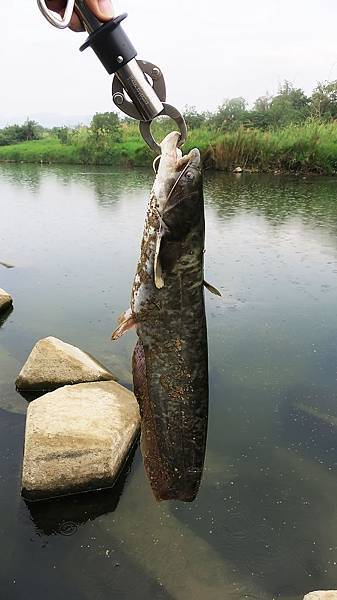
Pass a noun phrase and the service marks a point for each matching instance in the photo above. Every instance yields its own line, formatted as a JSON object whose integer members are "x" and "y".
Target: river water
{"x": 265, "y": 522}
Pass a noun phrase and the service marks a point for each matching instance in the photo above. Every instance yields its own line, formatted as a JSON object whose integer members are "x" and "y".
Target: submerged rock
{"x": 77, "y": 439}
{"x": 327, "y": 595}
{"x": 53, "y": 363}
{"x": 6, "y": 301}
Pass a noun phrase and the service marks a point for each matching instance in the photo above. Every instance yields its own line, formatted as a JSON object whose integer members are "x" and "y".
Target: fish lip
{"x": 170, "y": 143}
{"x": 172, "y": 155}
{"x": 195, "y": 159}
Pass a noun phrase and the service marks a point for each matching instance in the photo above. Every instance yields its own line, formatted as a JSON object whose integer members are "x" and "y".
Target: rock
{"x": 6, "y": 301}
{"x": 238, "y": 170}
{"x": 53, "y": 363}
{"x": 77, "y": 439}
{"x": 328, "y": 595}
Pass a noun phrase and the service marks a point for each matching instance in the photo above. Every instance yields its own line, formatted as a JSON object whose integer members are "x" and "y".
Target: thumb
{"x": 101, "y": 8}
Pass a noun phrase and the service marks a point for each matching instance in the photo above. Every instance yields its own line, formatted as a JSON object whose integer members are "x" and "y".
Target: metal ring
{"x": 59, "y": 22}
{"x": 173, "y": 113}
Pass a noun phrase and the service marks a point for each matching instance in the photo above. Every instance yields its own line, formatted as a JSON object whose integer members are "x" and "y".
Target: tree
{"x": 30, "y": 130}
{"x": 62, "y": 134}
{"x": 231, "y": 114}
{"x": 262, "y": 104}
{"x": 13, "y": 134}
{"x": 193, "y": 118}
{"x": 324, "y": 100}
{"x": 106, "y": 124}
{"x": 290, "y": 105}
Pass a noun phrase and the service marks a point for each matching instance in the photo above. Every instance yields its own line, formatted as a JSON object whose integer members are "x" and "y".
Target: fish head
{"x": 178, "y": 187}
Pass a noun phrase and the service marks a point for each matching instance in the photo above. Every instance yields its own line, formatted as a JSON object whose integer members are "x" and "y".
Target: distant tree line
{"x": 289, "y": 106}
{"x": 13, "y": 134}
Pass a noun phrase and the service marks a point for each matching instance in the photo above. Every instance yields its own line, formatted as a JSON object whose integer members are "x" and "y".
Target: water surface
{"x": 265, "y": 522}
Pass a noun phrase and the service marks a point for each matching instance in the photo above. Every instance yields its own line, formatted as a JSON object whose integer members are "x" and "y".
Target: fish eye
{"x": 189, "y": 175}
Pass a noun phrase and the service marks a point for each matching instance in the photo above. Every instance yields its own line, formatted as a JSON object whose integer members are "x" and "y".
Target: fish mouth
{"x": 172, "y": 165}
{"x": 171, "y": 156}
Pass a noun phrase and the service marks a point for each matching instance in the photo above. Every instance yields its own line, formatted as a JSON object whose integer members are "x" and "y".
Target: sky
{"x": 208, "y": 51}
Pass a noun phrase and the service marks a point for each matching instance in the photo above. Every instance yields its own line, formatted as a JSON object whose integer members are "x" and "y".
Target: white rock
{"x": 5, "y": 301}
{"x": 238, "y": 170}
{"x": 77, "y": 439}
{"x": 53, "y": 363}
{"x": 327, "y": 595}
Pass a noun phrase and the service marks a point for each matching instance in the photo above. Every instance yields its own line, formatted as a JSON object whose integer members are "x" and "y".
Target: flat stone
{"x": 327, "y": 595}
{"x": 53, "y": 363}
{"x": 78, "y": 439}
{"x": 6, "y": 301}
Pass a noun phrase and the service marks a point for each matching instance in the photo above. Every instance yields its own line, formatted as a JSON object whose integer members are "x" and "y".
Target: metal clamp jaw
{"x": 132, "y": 77}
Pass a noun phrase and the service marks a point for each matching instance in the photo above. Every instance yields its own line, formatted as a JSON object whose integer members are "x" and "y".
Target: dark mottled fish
{"x": 170, "y": 361}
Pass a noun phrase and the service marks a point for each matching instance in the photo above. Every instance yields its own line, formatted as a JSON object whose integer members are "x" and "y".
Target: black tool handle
{"x": 109, "y": 40}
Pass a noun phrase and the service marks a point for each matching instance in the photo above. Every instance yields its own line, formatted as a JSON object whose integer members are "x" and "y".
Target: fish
{"x": 170, "y": 360}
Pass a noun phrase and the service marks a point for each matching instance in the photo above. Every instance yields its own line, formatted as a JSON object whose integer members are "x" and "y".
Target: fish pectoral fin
{"x": 158, "y": 272}
{"x": 125, "y": 322}
{"x": 212, "y": 289}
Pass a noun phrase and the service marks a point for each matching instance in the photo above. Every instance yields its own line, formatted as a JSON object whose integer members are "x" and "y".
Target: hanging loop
{"x": 57, "y": 20}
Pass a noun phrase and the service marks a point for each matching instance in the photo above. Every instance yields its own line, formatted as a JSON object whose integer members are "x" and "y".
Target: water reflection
{"x": 309, "y": 422}
{"x": 22, "y": 176}
{"x": 276, "y": 198}
{"x": 126, "y": 183}
{"x": 5, "y": 314}
{"x": 265, "y": 520}
{"x": 99, "y": 179}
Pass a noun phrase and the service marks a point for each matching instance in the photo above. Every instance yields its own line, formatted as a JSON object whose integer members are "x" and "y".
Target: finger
{"x": 75, "y": 23}
{"x": 56, "y": 5}
{"x": 101, "y": 8}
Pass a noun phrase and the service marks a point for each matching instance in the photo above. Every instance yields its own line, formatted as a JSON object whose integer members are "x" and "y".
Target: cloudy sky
{"x": 208, "y": 51}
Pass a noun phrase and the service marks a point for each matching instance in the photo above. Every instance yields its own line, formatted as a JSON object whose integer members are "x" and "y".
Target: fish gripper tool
{"x": 138, "y": 87}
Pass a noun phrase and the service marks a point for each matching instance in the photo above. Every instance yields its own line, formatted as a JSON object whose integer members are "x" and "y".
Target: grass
{"x": 310, "y": 147}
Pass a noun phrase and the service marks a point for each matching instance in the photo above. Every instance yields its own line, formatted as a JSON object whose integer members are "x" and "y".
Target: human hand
{"x": 102, "y": 9}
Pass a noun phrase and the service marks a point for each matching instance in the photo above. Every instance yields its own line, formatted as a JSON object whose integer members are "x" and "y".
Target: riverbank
{"x": 307, "y": 148}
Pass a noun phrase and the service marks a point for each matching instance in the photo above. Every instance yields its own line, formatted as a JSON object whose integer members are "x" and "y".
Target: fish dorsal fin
{"x": 212, "y": 289}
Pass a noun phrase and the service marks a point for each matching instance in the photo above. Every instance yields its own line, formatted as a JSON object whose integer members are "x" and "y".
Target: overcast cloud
{"x": 208, "y": 51}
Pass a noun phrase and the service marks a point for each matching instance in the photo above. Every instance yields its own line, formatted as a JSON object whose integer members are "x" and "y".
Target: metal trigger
{"x": 120, "y": 89}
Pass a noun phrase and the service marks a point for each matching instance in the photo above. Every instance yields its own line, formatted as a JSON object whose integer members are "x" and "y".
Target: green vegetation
{"x": 289, "y": 132}
{"x": 19, "y": 133}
